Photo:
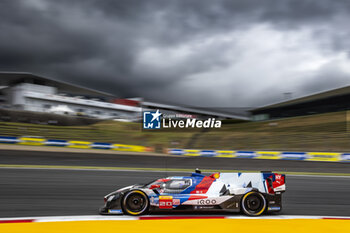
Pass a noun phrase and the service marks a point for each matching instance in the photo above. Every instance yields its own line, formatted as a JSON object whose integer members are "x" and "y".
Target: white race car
{"x": 251, "y": 193}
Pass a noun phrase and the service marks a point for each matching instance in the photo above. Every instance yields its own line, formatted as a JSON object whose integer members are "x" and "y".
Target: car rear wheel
{"x": 253, "y": 204}
{"x": 135, "y": 202}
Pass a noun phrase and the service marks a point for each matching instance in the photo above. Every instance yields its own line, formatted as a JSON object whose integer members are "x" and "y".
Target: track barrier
{"x": 38, "y": 141}
{"x": 306, "y": 156}
{"x": 283, "y": 155}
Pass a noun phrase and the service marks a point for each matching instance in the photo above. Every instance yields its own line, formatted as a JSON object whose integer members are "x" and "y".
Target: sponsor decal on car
{"x": 176, "y": 201}
{"x": 206, "y": 202}
{"x": 205, "y": 207}
{"x": 165, "y": 202}
{"x": 115, "y": 211}
{"x": 274, "y": 208}
{"x": 153, "y": 200}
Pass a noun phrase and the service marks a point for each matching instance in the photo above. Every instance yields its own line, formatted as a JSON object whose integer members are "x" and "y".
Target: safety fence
{"x": 38, "y": 141}
{"x": 307, "y": 156}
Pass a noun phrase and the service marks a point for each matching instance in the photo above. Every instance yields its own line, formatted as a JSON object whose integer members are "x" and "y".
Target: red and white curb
{"x": 155, "y": 217}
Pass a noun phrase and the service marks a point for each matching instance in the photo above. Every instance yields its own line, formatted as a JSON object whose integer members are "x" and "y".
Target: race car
{"x": 250, "y": 193}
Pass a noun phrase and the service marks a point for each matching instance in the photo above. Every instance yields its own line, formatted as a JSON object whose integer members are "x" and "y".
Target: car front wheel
{"x": 135, "y": 202}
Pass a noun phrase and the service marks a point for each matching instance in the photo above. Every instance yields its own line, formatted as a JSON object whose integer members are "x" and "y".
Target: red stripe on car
{"x": 193, "y": 197}
{"x": 204, "y": 185}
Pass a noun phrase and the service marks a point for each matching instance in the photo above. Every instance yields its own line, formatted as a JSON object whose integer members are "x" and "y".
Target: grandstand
{"x": 334, "y": 100}
{"x": 236, "y": 114}
{"x": 29, "y": 92}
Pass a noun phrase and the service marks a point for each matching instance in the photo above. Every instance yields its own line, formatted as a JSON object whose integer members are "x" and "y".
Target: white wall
{"x": 38, "y": 98}
{"x": 17, "y": 97}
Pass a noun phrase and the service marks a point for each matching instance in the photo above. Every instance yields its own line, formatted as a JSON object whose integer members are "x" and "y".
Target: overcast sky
{"x": 232, "y": 53}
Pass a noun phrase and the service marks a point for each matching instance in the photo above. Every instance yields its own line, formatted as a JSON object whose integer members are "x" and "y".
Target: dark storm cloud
{"x": 209, "y": 53}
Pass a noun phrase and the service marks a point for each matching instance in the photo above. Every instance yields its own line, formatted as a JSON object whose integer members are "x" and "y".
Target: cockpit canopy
{"x": 168, "y": 184}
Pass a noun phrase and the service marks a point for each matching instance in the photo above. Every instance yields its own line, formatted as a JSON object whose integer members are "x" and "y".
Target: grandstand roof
{"x": 12, "y": 78}
{"x": 195, "y": 110}
{"x": 308, "y": 98}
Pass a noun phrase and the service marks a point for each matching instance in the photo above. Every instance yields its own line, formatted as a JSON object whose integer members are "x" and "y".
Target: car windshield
{"x": 169, "y": 184}
{"x": 178, "y": 184}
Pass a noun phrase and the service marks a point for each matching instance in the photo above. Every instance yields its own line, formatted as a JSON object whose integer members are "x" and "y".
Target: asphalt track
{"x": 47, "y": 192}
{"x": 119, "y": 160}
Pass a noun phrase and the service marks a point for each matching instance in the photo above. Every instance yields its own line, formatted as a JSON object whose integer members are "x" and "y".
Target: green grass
{"x": 323, "y": 132}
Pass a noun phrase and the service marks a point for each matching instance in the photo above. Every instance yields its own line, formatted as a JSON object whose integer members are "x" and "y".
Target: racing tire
{"x": 135, "y": 202}
{"x": 253, "y": 204}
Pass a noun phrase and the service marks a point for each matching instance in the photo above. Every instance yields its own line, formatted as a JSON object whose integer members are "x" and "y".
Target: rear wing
{"x": 274, "y": 182}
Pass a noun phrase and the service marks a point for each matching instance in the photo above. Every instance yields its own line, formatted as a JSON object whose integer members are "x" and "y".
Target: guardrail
{"x": 33, "y": 141}
{"x": 306, "y": 156}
